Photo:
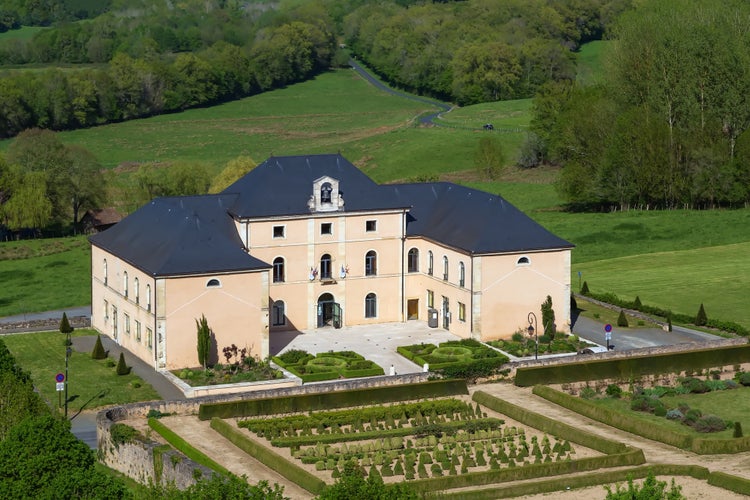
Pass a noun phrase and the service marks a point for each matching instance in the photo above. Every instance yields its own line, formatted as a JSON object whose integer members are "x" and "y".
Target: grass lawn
{"x": 23, "y": 33}
{"x": 43, "y": 355}
{"x": 731, "y": 405}
{"x": 680, "y": 280}
{"x": 41, "y": 275}
{"x": 604, "y": 315}
{"x": 590, "y": 60}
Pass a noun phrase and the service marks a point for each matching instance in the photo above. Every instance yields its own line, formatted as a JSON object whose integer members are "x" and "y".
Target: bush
{"x": 517, "y": 337}
{"x": 637, "y": 303}
{"x": 585, "y": 288}
{"x": 700, "y": 318}
{"x": 588, "y": 393}
{"x": 98, "y": 352}
{"x": 737, "y": 430}
{"x": 695, "y": 385}
{"x": 674, "y": 414}
{"x": 614, "y": 391}
{"x": 709, "y": 423}
{"x": 622, "y": 320}
{"x": 122, "y": 368}
{"x": 744, "y": 379}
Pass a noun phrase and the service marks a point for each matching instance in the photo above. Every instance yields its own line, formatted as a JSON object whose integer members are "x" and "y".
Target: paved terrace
{"x": 377, "y": 342}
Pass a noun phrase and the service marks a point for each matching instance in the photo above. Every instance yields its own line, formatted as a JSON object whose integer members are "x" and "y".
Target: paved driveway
{"x": 636, "y": 338}
{"x": 377, "y": 343}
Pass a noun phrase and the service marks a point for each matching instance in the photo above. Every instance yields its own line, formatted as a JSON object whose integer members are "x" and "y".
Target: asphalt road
{"x": 636, "y": 338}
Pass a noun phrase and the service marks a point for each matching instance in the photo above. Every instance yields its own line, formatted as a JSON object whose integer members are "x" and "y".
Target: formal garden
{"x": 327, "y": 365}
{"x": 465, "y": 358}
{"x": 521, "y": 345}
{"x": 239, "y": 367}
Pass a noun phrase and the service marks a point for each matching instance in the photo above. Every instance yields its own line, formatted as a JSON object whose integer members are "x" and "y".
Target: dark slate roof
{"x": 471, "y": 220}
{"x": 180, "y": 236}
{"x": 283, "y": 185}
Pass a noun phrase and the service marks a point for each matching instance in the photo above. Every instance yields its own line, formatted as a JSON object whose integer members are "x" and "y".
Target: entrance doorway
{"x": 412, "y": 309}
{"x": 329, "y": 311}
{"x": 446, "y": 314}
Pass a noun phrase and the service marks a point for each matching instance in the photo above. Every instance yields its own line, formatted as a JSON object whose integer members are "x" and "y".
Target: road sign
{"x": 607, "y": 328}
{"x": 59, "y": 378}
{"x": 60, "y": 386}
{"x": 608, "y": 336}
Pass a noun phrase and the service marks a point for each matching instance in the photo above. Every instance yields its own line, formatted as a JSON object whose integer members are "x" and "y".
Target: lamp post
{"x": 533, "y": 329}
{"x": 67, "y": 356}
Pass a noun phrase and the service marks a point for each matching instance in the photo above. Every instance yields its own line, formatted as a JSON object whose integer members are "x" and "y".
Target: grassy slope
{"x": 24, "y": 33}
{"x": 340, "y": 112}
{"x": 589, "y": 60}
{"x": 43, "y": 355}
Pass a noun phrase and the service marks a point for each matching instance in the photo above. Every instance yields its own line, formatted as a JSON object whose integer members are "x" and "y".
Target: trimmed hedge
{"x": 631, "y": 457}
{"x": 471, "y": 358}
{"x": 352, "y": 365}
{"x": 551, "y": 426}
{"x": 614, "y": 418}
{"x": 703, "y": 446}
{"x": 574, "y": 482}
{"x": 329, "y": 400}
{"x": 730, "y": 482}
{"x": 291, "y": 471}
{"x": 186, "y": 448}
{"x": 625, "y": 368}
{"x": 445, "y": 428}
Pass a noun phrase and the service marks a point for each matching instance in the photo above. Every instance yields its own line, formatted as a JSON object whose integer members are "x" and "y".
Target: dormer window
{"x": 325, "y": 192}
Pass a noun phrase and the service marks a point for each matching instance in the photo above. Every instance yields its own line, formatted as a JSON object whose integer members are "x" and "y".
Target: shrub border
{"x": 271, "y": 459}
{"x": 619, "y": 420}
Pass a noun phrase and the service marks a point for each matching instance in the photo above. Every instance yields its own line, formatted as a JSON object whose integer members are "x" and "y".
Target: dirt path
{"x": 655, "y": 452}
{"x": 199, "y": 434}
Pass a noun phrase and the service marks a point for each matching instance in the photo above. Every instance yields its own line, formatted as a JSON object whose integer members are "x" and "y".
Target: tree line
{"x": 668, "y": 128}
{"x": 477, "y": 50}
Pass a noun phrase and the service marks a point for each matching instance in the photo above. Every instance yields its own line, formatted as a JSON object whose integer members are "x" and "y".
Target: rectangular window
{"x": 430, "y": 298}
{"x": 106, "y": 310}
{"x": 114, "y": 321}
{"x": 279, "y": 231}
{"x": 127, "y": 324}
{"x": 326, "y": 228}
{"x": 138, "y": 331}
{"x": 461, "y": 311}
{"x": 371, "y": 226}
{"x": 149, "y": 338}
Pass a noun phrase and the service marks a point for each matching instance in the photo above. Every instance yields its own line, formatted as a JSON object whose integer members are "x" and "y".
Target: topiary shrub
{"x": 98, "y": 352}
{"x": 122, "y": 368}
{"x": 585, "y": 288}
{"x": 737, "y": 430}
{"x": 622, "y": 320}
{"x": 637, "y": 303}
{"x": 701, "y": 319}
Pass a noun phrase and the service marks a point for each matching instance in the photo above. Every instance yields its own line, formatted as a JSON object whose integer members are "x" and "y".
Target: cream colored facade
{"x": 329, "y": 267}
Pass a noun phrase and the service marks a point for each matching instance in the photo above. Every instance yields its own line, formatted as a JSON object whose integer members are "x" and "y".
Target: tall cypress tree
{"x": 548, "y": 318}
{"x": 204, "y": 340}
{"x": 701, "y": 319}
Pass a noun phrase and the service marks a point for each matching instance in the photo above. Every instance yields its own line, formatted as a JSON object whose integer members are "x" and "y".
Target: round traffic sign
{"x": 60, "y": 377}
{"x": 607, "y": 328}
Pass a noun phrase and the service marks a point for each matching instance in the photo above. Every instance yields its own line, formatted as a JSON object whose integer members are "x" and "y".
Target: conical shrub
{"x": 701, "y": 319}
{"x": 621, "y": 319}
{"x": 585, "y": 289}
{"x": 98, "y": 352}
{"x": 122, "y": 368}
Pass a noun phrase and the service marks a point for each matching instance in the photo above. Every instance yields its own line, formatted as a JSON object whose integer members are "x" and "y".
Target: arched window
{"x": 413, "y": 260}
{"x": 371, "y": 305}
{"x": 148, "y": 297}
{"x": 461, "y": 274}
{"x": 445, "y": 267}
{"x": 278, "y": 315}
{"x": 105, "y": 272}
{"x": 278, "y": 270}
{"x": 213, "y": 282}
{"x": 325, "y": 266}
{"x": 125, "y": 284}
{"x": 137, "y": 290}
{"x": 430, "y": 263}
{"x": 325, "y": 192}
{"x": 371, "y": 263}
{"x": 523, "y": 261}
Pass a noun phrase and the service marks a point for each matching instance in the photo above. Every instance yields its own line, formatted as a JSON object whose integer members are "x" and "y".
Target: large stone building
{"x": 305, "y": 242}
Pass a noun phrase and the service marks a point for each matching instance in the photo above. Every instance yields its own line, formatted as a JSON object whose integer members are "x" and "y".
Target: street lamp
{"x": 533, "y": 330}
{"x": 68, "y": 351}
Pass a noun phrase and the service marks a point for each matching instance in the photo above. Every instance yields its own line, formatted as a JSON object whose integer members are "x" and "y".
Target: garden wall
{"x": 216, "y": 390}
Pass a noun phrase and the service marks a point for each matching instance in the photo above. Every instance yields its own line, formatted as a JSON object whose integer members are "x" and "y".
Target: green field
{"x": 24, "y": 33}
{"x": 43, "y": 355}
{"x": 590, "y": 60}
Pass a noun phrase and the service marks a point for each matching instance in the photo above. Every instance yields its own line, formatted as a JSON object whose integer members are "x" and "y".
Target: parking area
{"x": 377, "y": 343}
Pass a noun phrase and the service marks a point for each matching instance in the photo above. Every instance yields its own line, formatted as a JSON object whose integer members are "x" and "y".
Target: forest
{"x": 665, "y": 128}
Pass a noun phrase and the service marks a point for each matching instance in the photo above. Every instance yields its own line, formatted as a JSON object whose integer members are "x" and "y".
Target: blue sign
{"x": 59, "y": 378}
{"x": 607, "y": 328}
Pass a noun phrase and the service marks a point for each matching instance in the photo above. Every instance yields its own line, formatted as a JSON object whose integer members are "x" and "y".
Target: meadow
{"x": 675, "y": 259}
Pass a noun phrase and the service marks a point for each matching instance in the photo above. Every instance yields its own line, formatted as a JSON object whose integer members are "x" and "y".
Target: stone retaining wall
{"x": 41, "y": 325}
{"x": 136, "y": 459}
